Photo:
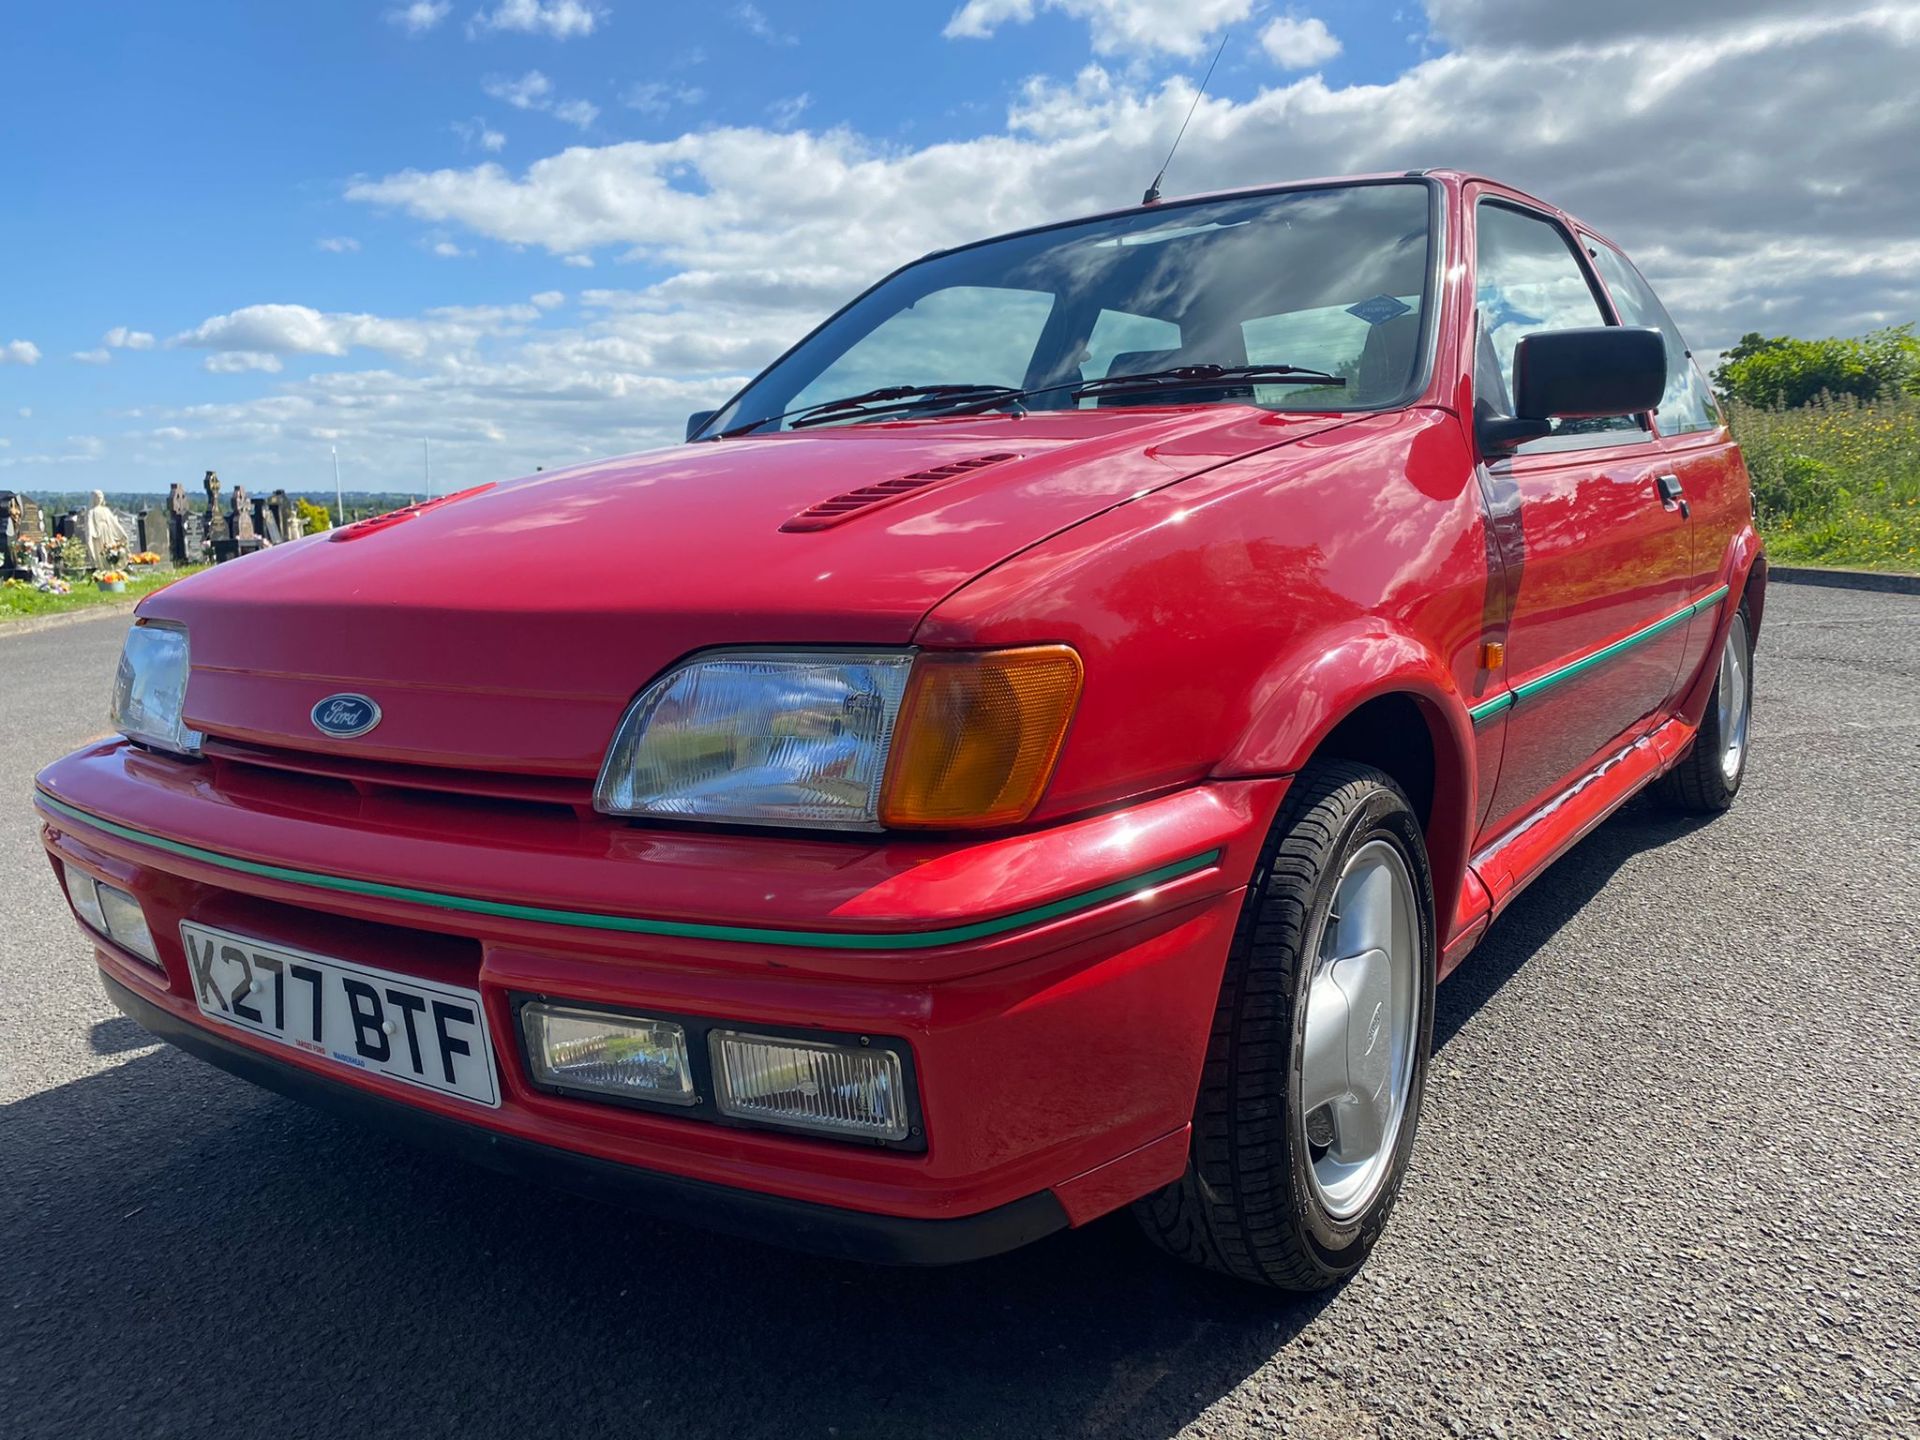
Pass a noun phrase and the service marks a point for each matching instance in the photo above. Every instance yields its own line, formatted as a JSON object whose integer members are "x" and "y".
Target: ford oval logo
{"x": 345, "y": 716}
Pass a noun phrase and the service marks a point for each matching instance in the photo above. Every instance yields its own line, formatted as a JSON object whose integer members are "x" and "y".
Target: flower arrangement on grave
{"x": 111, "y": 579}
{"x": 71, "y": 557}
{"x": 144, "y": 557}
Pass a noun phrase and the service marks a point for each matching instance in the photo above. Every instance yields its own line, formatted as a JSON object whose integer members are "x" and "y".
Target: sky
{"x": 502, "y": 234}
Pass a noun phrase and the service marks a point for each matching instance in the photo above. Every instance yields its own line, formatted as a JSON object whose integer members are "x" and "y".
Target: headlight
{"x": 809, "y": 738}
{"x": 770, "y": 739}
{"x": 150, "y": 689}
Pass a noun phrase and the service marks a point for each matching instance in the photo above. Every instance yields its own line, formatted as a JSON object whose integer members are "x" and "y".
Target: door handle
{"x": 1672, "y": 495}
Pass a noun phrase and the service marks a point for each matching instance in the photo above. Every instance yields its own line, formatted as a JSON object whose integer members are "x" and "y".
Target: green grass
{"x": 1837, "y": 482}
{"x": 21, "y": 601}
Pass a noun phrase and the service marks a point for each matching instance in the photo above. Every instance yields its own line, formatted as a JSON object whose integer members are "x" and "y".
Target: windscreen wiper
{"x": 1195, "y": 377}
{"x": 914, "y": 395}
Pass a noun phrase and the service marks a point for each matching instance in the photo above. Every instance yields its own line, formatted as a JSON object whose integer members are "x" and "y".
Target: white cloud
{"x": 236, "y": 362}
{"x": 657, "y": 97}
{"x": 752, "y": 19}
{"x": 549, "y": 299}
{"x": 93, "y": 357}
{"x": 579, "y": 262}
{"x": 302, "y": 330}
{"x": 786, "y": 113}
{"x": 121, "y": 338}
{"x": 1119, "y": 27}
{"x": 337, "y": 244}
{"x": 477, "y": 134}
{"x": 1740, "y": 191}
{"x": 447, "y": 250}
{"x": 19, "y": 352}
{"x": 419, "y": 17}
{"x": 532, "y": 91}
{"x": 560, "y": 19}
{"x": 1296, "y": 42}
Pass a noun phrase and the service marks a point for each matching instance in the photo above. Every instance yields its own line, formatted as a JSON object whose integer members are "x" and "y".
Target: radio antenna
{"x": 1153, "y": 191}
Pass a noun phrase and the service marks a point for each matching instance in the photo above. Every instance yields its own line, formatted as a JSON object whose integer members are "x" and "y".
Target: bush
{"x": 312, "y": 517}
{"x": 1786, "y": 373}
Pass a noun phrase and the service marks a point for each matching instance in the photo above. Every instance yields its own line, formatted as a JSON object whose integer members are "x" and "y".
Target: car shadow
{"x": 187, "y": 1255}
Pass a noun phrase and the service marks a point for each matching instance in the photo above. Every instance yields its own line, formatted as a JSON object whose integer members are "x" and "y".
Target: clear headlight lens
{"x": 764, "y": 738}
{"x": 150, "y": 689}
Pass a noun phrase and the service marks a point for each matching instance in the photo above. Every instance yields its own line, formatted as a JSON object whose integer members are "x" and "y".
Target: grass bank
{"x": 21, "y": 601}
{"x": 1837, "y": 482}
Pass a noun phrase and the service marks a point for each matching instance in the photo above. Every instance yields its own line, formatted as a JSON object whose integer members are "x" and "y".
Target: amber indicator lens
{"x": 978, "y": 736}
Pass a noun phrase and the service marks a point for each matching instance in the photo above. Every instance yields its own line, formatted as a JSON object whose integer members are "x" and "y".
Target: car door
{"x": 1699, "y": 450}
{"x": 1596, "y": 563}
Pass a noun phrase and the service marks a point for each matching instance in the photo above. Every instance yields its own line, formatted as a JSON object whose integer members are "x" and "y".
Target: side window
{"x": 962, "y": 335}
{"x": 1688, "y": 403}
{"x": 1117, "y": 333}
{"x": 1528, "y": 279}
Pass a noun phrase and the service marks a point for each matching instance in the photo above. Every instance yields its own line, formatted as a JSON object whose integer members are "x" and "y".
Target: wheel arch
{"x": 1378, "y": 697}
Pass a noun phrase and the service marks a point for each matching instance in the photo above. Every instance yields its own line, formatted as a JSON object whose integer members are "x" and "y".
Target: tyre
{"x": 1317, "y": 1063}
{"x": 1708, "y": 776}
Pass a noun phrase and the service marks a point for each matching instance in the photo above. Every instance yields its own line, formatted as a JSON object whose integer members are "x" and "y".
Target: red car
{"x": 1034, "y": 752}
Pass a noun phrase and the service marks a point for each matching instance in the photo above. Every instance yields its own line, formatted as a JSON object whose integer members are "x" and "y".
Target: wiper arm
{"x": 976, "y": 397}
{"x": 835, "y": 409}
{"x": 1194, "y": 377}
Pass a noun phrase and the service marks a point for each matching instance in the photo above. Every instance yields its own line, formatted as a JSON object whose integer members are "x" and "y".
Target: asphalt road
{"x": 1668, "y": 1182}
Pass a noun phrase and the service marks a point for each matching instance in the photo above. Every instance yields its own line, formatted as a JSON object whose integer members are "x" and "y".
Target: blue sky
{"x": 236, "y": 236}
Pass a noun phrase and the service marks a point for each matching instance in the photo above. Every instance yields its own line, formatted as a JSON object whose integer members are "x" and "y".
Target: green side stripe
{"x": 1585, "y": 663}
{"x": 580, "y": 919}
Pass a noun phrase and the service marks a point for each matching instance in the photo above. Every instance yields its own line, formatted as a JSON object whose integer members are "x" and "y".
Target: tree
{"x": 1782, "y": 373}
{"x": 312, "y": 517}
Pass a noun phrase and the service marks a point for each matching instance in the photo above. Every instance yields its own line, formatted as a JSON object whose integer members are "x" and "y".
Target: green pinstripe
{"x": 1508, "y": 698}
{"x": 633, "y": 925}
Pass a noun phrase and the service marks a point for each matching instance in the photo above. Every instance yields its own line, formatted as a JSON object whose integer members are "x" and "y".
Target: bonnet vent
{"x": 850, "y": 503}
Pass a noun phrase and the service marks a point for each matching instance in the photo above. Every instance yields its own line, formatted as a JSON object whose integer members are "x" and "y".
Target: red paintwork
{"x": 1238, "y": 584}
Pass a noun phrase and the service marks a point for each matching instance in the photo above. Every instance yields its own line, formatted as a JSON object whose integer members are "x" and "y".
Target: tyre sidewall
{"x": 1340, "y": 1245}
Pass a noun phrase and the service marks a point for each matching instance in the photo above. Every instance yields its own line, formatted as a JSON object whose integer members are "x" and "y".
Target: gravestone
{"x": 219, "y": 533}
{"x": 246, "y": 539}
{"x": 265, "y": 524}
{"x": 150, "y": 531}
{"x": 178, "y": 508}
{"x": 280, "y": 514}
{"x": 193, "y": 538}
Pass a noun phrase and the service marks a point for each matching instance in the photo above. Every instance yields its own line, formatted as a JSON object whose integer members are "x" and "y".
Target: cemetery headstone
{"x": 193, "y": 538}
{"x": 178, "y": 509}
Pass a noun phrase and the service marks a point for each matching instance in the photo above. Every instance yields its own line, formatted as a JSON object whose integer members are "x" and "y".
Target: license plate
{"x": 415, "y": 1031}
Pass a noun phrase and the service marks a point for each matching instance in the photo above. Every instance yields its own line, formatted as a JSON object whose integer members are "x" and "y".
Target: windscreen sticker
{"x": 1379, "y": 308}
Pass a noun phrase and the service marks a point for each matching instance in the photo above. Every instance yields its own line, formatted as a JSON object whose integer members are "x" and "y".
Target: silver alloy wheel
{"x": 1736, "y": 703}
{"x": 1355, "y": 1055}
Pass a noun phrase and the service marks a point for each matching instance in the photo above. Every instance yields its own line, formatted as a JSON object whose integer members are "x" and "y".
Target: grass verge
{"x": 22, "y": 601}
{"x": 1837, "y": 482}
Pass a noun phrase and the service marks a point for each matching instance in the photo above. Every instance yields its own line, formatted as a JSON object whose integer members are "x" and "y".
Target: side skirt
{"x": 1501, "y": 871}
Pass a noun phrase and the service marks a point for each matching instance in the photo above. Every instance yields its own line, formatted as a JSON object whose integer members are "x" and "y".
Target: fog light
{"x": 603, "y": 1053}
{"x": 85, "y": 901}
{"x": 127, "y": 923}
{"x": 807, "y": 1085}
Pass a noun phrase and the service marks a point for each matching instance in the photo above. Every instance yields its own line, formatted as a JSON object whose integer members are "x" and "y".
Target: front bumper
{"x": 1056, "y": 1006}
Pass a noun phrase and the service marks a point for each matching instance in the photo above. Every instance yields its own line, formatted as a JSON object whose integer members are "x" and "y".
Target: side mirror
{"x": 1580, "y": 374}
{"x": 697, "y": 421}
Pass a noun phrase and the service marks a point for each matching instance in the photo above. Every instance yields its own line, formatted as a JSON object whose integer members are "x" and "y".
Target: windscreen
{"x": 1332, "y": 279}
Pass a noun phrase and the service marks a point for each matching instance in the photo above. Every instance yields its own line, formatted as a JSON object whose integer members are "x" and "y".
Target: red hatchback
{"x": 1034, "y": 752}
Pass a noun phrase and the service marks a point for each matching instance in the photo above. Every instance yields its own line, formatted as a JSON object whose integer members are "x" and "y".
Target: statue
{"x": 102, "y": 533}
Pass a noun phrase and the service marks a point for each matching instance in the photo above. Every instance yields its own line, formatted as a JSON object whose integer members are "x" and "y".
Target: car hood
{"x": 508, "y": 627}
